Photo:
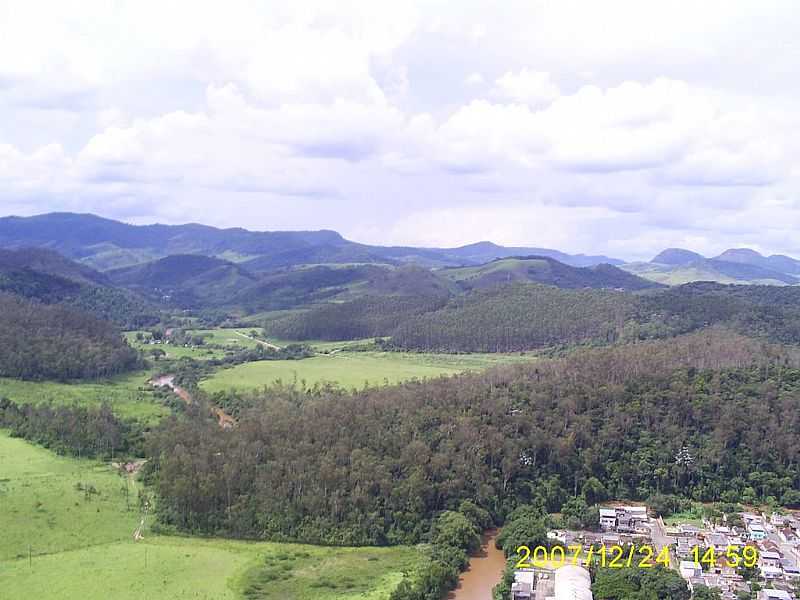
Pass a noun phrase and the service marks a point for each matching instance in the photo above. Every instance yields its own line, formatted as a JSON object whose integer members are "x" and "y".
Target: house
{"x": 769, "y": 559}
{"x": 690, "y": 569}
{"x": 790, "y": 568}
{"x": 757, "y": 531}
{"x": 608, "y": 518}
{"x": 718, "y": 541}
{"x": 770, "y": 573}
{"x": 778, "y": 520}
{"x": 788, "y": 535}
{"x": 524, "y": 585}
{"x": 773, "y": 595}
{"x": 689, "y": 530}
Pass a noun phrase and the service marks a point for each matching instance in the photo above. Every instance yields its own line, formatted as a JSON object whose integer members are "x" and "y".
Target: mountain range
{"x": 131, "y": 255}
{"x": 105, "y": 244}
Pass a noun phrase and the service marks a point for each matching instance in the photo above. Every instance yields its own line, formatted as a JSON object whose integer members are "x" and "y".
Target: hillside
{"x": 55, "y": 342}
{"x": 676, "y": 266}
{"x": 106, "y": 244}
{"x": 516, "y": 317}
{"x": 185, "y": 281}
{"x": 48, "y": 277}
{"x": 540, "y": 269}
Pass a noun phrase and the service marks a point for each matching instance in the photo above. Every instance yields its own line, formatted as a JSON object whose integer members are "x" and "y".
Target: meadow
{"x": 352, "y": 369}
{"x": 81, "y": 546}
{"x": 129, "y": 395}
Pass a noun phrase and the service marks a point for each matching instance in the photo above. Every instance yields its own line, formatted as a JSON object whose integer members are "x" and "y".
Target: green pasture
{"x": 129, "y": 395}
{"x": 352, "y": 369}
{"x": 82, "y": 547}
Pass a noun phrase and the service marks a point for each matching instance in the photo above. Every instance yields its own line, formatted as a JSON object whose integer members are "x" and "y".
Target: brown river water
{"x": 483, "y": 573}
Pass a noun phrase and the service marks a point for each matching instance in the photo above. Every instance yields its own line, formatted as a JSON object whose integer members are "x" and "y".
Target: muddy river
{"x": 484, "y": 572}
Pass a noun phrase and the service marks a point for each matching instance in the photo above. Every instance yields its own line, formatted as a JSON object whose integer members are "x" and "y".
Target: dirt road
{"x": 225, "y": 420}
{"x": 262, "y": 342}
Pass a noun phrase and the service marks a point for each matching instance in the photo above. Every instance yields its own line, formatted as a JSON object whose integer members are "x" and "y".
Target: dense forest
{"x": 75, "y": 430}
{"x": 525, "y": 316}
{"x": 48, "y": 277}
{"x": 711, "y": 416}
{"x": 518, "y": 317}
{"x": 55, "y": 342}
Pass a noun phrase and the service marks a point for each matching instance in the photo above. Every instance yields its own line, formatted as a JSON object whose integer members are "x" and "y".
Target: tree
{"x": 702, "y": 592}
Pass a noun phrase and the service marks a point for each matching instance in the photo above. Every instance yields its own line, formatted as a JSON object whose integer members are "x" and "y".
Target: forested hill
{"x": 524, "y": 316}
{"x": 48, "y": 277}
{"x": 185, "y": 280}
{"x": 375, "y": 466}
{"x": 542, "y": 269}
{"x": 106, "y": 244}
{"x": 55, "y": 342}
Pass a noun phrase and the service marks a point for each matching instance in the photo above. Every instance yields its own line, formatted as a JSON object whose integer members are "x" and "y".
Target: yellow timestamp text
{"x": 734, "y": 556}
{"x": 615, "y": 557}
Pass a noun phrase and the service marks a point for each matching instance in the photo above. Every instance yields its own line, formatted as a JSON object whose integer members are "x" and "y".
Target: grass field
{"x": 230, "y": 340}
{"x": 129, "y": 395}
{"x": 352, "y": 369}
{"x": 42, "y": 510}
{"x": 83, "y": 549}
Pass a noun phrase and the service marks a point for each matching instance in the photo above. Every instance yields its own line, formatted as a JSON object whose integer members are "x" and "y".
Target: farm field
{"x": 83, "y": 548}
{"x": 129, "y": 395}
{"x": 352, "y": 369}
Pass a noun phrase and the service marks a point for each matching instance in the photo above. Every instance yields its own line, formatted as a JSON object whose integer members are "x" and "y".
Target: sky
{"x": 615, "y": 127}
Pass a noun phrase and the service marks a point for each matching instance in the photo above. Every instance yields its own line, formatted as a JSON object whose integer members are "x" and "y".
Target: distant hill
{"x": 776, "y": 262}
{"x": 542, "y": 269}
{"x": 46, "y": 276}
{"x": 105, "y": 244}
{"x": 676, "y": 266}
{"x": 185, "y": 280}
{"x": 677, "y": 256}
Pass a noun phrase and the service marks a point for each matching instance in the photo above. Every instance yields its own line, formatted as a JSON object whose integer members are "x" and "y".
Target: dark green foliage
{"x": 523, "y": 528}
{"x": 185, "y": 281}
{"x": 639, "y": 584}
{"x": 54, "y": 342}
{"x": 50, "y": 278}
{"x": 72, "y": 430}
{"x": 664, "y": 505}
{"x": 579, "y": 515}
{"x": 370, "y": 316}
{"x": 542, "y": 269}
{"x": 375, "y": 467}
{"x": 454, "y": 536}
{"x": 518, "y": 317}
{"x": 702, "y": 592}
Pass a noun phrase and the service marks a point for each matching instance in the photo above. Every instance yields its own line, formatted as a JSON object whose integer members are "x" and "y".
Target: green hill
{"x": 185, "y": 281}
{"x": 55, "y": 342}
{"x": 48, "y": 277}
{"x": 541, "y": 269}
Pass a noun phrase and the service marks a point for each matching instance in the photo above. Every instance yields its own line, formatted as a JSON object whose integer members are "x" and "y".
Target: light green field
{"x": 234, "y": 338}
{"x": 83, "y": 549}
{"x": 42, "y": 510}
{"x": 352, "y": 369}
{"x": 129, "y": 395}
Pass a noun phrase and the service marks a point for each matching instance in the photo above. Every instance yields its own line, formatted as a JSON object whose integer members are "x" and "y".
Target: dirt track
{"x": 225, "y": 420}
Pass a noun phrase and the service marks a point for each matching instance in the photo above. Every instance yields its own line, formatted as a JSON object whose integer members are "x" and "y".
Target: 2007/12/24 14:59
{"x": 617, "y": 557}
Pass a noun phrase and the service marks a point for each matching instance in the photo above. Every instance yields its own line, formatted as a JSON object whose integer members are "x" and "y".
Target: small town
{"x": 702, "y": 554}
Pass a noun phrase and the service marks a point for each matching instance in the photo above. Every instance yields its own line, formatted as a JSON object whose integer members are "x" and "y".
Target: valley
{"x": 326, "y": 420}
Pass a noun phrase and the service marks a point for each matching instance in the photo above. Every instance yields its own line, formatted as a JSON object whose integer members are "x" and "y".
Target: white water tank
{"x": 572, "y": 583}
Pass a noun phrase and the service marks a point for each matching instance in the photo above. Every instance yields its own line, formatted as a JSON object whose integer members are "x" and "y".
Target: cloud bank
{"x": 618, "y": 129}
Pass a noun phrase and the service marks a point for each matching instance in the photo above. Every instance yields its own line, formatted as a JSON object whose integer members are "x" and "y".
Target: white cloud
{"x": 529, "y": 87}
{"x": 387, "y": 120}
